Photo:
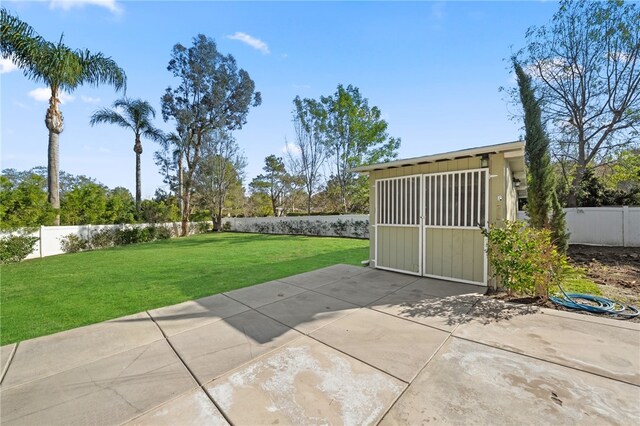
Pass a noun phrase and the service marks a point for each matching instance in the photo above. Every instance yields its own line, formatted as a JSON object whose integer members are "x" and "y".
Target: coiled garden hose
{"x": 602, "y": 305}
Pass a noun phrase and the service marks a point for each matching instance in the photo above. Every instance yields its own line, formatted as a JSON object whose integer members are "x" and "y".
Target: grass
{"x": 44, "y": 296}
{"x": 581, "y": 285}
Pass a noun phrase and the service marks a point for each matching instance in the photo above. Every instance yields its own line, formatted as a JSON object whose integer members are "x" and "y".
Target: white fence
{"x": 602, "y": 226}
{"x": 605, "y": 226}
{"x": 50, "y": 237}
{"x": 352, "y": 225}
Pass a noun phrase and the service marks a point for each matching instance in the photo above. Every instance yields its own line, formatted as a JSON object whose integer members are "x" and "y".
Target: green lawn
{"x": 44, "y": 296}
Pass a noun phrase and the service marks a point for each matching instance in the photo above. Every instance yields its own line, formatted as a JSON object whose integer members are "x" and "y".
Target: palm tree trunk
{"x": 53, "y": 173}
{"x": 55, "y": 124}
{"x": 137, "y": 148}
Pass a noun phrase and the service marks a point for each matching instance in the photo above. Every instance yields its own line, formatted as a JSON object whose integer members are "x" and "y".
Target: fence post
{"x": 41, "y": 241}
{"x": 626, "y": 226}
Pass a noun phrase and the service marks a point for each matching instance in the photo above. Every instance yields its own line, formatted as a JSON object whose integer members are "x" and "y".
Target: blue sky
{"x": 433, "y": 68}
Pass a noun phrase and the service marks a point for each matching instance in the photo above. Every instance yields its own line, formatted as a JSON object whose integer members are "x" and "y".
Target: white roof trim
{"x": 514, "y": 150}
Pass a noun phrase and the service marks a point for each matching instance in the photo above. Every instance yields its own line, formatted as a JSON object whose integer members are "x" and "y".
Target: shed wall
{"x": 456, "y": 253}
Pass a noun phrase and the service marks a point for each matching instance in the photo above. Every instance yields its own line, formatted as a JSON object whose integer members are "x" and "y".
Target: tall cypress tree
{"x": 543, "y": 207}
{"x": 558, "y": 224}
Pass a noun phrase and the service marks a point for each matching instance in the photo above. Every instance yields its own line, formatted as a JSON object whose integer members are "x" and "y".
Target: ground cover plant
{"x": 44, "y": 296}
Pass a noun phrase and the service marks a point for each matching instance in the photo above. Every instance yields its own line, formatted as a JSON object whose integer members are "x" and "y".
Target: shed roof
{"x": 515, "y": 156}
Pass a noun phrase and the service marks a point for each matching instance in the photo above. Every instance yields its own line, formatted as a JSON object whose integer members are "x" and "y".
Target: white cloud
{"x": 256, "y": 43}
{"x": 290, "y": 148}
{"x": 89, "y": 99}
{"x": 552, "y": 69}
{"x": 42, "y": 94}
{"x": 112, "y": 5}
{"x": 7, "y": 65}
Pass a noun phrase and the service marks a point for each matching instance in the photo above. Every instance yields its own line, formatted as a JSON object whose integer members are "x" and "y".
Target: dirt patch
{"x": 616, "y": 270}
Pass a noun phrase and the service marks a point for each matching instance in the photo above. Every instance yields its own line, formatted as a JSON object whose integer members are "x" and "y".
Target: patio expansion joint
{"x": 266, "y": 304}
{"x": 71, "y": 366}
{"x": 358, "y": 359}
{"x": 395, "y": 401}
{"x": 302, "y": 334}
{"x": 184, "y": 364}
{"x": 545, "y": 360}
{"x": 5, "y": 368}
{"x": 343, "y": 300}
{"x": 412, "y": 321}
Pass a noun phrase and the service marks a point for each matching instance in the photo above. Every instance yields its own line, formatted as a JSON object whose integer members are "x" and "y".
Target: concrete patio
{"x": 341, "y": 345}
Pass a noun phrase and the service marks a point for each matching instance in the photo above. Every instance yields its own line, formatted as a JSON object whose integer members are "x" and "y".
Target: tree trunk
{"x": 309, "y": 204}
{"x": 137, "y": 148}
{"x": 186, "y": 214}
{"x": 55, "y": 124}
{"x": 219, "y": 219}
{"x": 572, "y": 197}
{"x": 180, "y": 185}
{"x": 52, "y": 175}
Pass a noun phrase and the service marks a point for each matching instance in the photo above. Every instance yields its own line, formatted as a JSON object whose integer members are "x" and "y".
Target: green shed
{"x": 426, "y": 212}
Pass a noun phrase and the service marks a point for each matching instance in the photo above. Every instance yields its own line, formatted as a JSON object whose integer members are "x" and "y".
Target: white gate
{"x": 429, "y": 225}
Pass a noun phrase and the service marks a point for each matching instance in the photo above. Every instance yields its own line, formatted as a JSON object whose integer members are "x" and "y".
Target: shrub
{"x": 103, "y": 238}
{"x": 524, "y": 259}
{"x": 202, "y": 227}
{"x": 162, "y": 233}
{"x": 128, "y": 236}
{"x": 73, "y": 243}
{"x": 226, "y": 226}
{"x": 14, "y": 248}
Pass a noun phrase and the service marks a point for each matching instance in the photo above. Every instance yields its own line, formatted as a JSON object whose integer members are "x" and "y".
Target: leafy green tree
{"x": 85, "y": 204}
{"x": 586, "y": 68}
{"x": 309, "y": 152}
{"x": 355, "y": 134}
{"x": 61, "y": 69}
{"x": 625, "y": 171}
{"x": 543, "y": 207}
{"x": 594, "y": 193}
{"x": 136, "y": 115}
{"x": 70, "y": 181}
{"x": 170, "y": 160}
{"x": 258, "y": 205}
{"x": 221, "y": 168}
{"x": 159, "y": 211}
{"x": 23, "y": 202}
{"x": 273, "y": 182}
{"x": 212, "y": 95}
{"x": 121, "y": 207}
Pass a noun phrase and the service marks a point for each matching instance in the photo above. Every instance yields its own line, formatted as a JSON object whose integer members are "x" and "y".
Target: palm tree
{"x": 61, "y": 69}
{"x": 134, "y": 114}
